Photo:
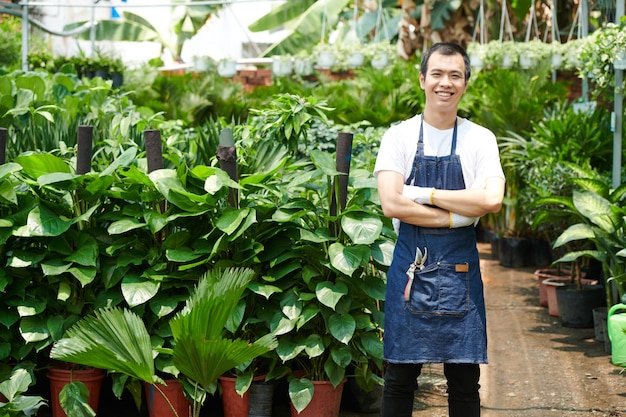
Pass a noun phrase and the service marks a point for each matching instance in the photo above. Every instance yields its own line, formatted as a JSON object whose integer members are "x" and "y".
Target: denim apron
{"x": 434, "y": 307}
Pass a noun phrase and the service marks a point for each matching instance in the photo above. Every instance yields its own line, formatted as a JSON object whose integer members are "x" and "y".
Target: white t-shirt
{"x": 476, "y": 146}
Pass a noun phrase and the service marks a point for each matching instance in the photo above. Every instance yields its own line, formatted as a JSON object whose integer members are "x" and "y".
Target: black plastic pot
{"x": 576, "y": 306}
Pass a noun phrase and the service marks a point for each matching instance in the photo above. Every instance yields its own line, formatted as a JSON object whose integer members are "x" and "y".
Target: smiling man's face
{"x": 444, "y": 82}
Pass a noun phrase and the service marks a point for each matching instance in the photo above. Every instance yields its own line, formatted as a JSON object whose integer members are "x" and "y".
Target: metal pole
{"x": 584, "y": 24}
{"x": 618, "y": 111}
{"x": 25, "y": 30}
{"x": 92, "y": 31}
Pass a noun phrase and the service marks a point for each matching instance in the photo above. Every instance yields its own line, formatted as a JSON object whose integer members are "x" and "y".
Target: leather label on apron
{"x": 462, "y": 267}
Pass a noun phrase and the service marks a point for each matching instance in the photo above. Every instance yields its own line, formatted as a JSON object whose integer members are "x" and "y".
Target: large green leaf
{"x": 43, "y": 222}
{"x": 73, "y": 400}
{"x": 578, "y": 231}
{"x": 34, "y": 329}
{"x": 305, "y": 30}
{"x": 279, "y": 15}
{"x": 112, "y": 339}
{"x": 595, "y": 208}
{"x": 200, "y": 351}
{"x": 382, "y": 252}
{"x": 300, "y": 393}
{"x": 329, "y": 293}
{"x": 348, "y": 259}
{"x": 363, "y": 228}
{"x": 118, "y": 30}
{"x": 137, "y": 290}
{"x": 37, "y": 164}
{"x": 341, "y": 327}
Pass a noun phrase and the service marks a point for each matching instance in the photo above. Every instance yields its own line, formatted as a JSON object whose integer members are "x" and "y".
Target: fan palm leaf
{"x": 200, "y": 350}
{"x": 112, "y": 339}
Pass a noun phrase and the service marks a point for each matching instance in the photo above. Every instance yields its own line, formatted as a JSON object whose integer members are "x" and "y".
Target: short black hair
{"x": 446, "y": 48}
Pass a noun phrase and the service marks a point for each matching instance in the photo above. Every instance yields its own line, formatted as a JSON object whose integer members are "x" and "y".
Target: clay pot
{"x": 91, "y": 377}
{"x": 158, "y": 405}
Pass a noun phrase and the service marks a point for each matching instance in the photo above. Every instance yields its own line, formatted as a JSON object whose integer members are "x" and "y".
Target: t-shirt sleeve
{"x": 489, "y": 164}
{"x": 390, "y": 153}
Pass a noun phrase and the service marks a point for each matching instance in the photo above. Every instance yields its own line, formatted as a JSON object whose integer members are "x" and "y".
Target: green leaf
{"x": 84, "y": 274}
{"x": 137, "y": 291}
{"x": 594, "y": 207}
{"x": 86, "y": 252}
{"x": 314, "y": 345}
{"x": 232, "y": 219}
{"x": 348, "y": 259}
{"x": 341, "y": 327}
{"x": 329, "y": 293}
{"x": 382, "y": 252}
{"x": 112, "y": 339}
{"x": 43, "y": 222}
{"x": 300, "y": 393}
{"x": 362, "y": 228}
{"x": 218, "y": 181}
{"x": 578, "y": 231}
{"x": 36, "y": 165}
{"x": 73, "y": 399}
{"x": 125, "y": 225}
{"x": 33, "y": 329}
{"x": 325, "y": 162}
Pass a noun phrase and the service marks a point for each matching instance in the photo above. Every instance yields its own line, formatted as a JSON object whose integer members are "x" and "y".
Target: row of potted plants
{"x": 122, "y": 236}
{"x": 325, "y": 56}
{"x": 526, "y": 55}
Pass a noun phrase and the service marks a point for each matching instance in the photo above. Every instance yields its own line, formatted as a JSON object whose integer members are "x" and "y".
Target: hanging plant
{"x": 604, "y": 48}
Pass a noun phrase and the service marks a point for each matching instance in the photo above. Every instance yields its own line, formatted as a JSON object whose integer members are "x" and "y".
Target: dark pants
{"x": 401, "y": 384}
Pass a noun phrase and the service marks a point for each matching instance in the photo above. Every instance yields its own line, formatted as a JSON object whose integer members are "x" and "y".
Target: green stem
{"x": 166, "y": 399}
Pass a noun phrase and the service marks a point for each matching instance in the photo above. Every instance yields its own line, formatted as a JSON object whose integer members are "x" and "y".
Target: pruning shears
{"x": 417, "y": 265}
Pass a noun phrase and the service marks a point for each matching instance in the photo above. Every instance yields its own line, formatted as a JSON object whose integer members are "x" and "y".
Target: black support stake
{"x": 154, "y": 154}
{"x": 3, "y": 145}
{"x": 227, "y": 155}
{"x": 342, "y": 163}
{"x": 84, "y": 149}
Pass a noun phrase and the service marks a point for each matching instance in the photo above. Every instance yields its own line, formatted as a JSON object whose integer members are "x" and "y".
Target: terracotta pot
{"x": 92, "y": 378}
{"x": 158, "y": 405}
{"x": 555, "y": 275}
{"x": 550, "y": 285}
{"x": 326, "y": 401}
{"x": 236, "y": 405}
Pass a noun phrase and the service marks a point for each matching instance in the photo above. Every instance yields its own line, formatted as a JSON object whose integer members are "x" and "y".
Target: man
{"x": 437, "y": 174}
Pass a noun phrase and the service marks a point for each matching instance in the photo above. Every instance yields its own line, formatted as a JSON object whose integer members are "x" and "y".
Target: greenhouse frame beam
{"x": 618, "y": 111}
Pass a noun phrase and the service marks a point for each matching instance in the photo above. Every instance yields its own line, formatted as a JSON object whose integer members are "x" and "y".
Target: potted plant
{"x": 303, "y": 64}
{"x": 532, "y": 53}
{"x": 599, "y": 54}
{"x": 117, "y": 340}
{"x": 282, "y": 65}
{"x": 325, "y": 56}
{"x": 227, "y": 67}
{"x": 380, "y": 53}
{"x": 477, "y": 52}
{"x": 500, "y": 54}
{"x": 596, "y": 224}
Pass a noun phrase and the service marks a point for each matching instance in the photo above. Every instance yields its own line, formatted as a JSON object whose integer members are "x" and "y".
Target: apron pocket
{"x": 440, "y": 289}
